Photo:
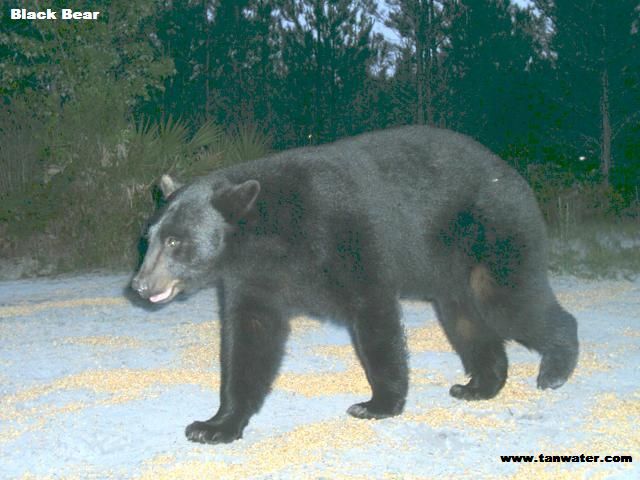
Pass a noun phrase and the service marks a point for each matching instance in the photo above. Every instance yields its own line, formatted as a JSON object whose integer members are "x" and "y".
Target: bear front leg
{"x": 378, "y": 338}
{"x": 252, "y": 338}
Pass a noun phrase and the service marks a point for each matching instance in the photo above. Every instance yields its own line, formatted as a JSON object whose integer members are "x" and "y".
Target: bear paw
{"x": 367, "y": 410}
{"x": 476, "y": 390}
{"x": 554, "y": 371}
{"x": 203, "y": 432}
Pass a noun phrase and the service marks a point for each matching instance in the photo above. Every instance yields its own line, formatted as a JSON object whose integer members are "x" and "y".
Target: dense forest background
{"x": 92, "y": 112}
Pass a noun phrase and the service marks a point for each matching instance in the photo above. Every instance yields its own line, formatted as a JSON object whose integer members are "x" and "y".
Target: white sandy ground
{"x": 94, "y": 387}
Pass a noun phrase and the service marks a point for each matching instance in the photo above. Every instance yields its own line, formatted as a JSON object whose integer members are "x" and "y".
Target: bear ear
{"x": 168, "y": 185}
{"x": 237, "y": 201}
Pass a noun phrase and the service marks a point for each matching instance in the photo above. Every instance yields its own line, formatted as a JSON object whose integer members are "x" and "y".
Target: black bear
{"x": 342, "y": 231}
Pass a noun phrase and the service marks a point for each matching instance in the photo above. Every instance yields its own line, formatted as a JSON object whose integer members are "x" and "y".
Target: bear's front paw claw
{"x": 203, "y": 432}
{"x": 359, "y": 411}
{"x": 367, "y": 410}
{"x": 472, "y": 391}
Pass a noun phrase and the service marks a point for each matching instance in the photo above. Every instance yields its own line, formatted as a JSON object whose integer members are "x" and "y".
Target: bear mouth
{"x": 167, "y": 295}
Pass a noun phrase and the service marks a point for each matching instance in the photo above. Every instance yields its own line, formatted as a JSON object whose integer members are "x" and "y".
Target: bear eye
{"x": 172, "y": 242}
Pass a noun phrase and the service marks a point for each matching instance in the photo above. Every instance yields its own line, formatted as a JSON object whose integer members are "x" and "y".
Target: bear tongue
{"x": 161, "y": 296}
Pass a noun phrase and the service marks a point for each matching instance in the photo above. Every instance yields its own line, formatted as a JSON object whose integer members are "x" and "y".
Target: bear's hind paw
{"x": 555, "y": 371}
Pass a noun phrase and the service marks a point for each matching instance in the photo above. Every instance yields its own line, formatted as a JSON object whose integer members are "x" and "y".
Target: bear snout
{"x": 140, "y": 286}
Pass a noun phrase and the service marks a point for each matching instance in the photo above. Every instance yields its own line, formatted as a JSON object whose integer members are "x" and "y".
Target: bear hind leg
{"x": 531, "y": 315}
{"x": 481, "y": 350}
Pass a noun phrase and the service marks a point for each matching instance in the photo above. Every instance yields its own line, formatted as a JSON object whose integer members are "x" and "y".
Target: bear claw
{"x": 365, "y": 410}
{"x": 555, "y": 369}
{"x": 203, "y": 432}
{"x": 465, "y": 392}
{"x": 474, "y": 391}
{"x": 550, "y": 377}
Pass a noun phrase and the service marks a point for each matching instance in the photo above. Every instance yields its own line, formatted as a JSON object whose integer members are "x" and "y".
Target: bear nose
{"x": 139, "y": 286}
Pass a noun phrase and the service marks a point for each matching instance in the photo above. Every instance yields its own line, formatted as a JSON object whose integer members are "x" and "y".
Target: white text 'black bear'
{"x": 343, "y": 231}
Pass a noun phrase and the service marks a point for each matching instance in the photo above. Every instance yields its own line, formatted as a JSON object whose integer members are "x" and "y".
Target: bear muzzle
{"x": 156, "y": 293}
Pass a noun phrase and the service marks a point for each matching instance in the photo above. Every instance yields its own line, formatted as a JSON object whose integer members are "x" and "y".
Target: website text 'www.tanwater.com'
{"x": 582, "y": 458}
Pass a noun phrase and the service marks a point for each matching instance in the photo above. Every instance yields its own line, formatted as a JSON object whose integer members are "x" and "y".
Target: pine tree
{"x": 488, "y": 61}
{"x": 242, "y": 75}
{"x": 422, "y": 26}
{"x": 183, "y": 31}
{"x": 326, "y": 52}
{"x": 597, "y": 81}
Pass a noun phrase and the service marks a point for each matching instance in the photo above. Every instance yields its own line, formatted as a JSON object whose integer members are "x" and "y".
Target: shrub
{"x": 89, "y": 211}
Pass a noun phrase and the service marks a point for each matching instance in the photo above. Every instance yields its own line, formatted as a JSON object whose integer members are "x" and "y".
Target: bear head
{"x": 187, "y": 236}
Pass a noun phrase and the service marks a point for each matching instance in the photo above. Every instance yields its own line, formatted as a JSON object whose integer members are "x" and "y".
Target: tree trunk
{"x": 431, "y": 52}
{"x": 605, "y": 139}
{"x": 207, "y": 64}
{"x": 420, "y": 69}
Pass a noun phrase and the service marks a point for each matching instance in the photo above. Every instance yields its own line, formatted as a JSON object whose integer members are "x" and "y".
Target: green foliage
{"x": 166, "y": 147}
{"x": 114, "y": 201}
{"x": 248, "y": 144}
{"x": 420, "y": 84}
{"x": 488, "y": 61}
{"x": 567, "y": 201}
{"x": 73, "y": 83}
{"x": 326, "y": 54}
{"x": 594, "y": 85}
{"x": 60, "y": 62}
{"x": 597, "y": 249}
{"x": 19, "y": 149}
{"x": 100, "y": 206}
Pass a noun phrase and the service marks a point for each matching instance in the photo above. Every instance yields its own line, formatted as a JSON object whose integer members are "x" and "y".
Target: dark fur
{"x": 343, "y": 231}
